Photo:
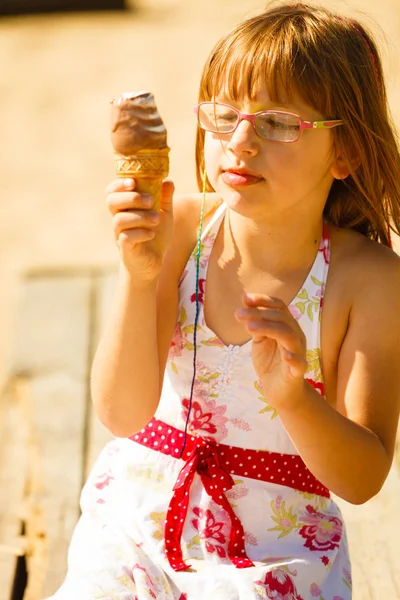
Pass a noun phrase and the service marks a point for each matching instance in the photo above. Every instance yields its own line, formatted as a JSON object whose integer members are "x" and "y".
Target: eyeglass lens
{"x": 281, "y": 127}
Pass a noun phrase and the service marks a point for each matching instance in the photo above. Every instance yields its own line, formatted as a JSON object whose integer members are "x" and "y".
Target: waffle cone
{"x": 149, "y": 168}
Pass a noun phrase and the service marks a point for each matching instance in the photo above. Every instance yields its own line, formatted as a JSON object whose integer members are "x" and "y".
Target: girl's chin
{"x": 243, "y": 196}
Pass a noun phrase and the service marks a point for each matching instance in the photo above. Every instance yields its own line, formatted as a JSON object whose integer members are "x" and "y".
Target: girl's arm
{"x": 128, "y": 368}
{"x": 125, "y": 374}
{"x": 350, "y": 449}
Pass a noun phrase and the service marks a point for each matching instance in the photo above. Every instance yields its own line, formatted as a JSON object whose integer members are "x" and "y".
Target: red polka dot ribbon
{"x": 214, "y": 463}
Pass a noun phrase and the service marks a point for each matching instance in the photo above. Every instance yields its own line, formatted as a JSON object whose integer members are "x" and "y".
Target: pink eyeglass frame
{"x": 251, "y": 117}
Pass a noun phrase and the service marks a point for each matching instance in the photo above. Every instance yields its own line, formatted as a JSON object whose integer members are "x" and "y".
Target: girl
{"x": 248, "y": 377}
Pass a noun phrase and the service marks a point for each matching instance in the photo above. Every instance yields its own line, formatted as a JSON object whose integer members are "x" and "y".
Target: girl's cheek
{"x": 212, "y": 157}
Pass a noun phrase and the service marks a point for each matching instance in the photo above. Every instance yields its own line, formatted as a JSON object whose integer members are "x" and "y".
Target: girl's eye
{"x": 281, "y": 124}
{"x": 226, "y": 117}
{"x": 276, "y": 124}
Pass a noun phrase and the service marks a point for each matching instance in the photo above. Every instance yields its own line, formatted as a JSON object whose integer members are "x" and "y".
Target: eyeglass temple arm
{"x": 321, "y": 124}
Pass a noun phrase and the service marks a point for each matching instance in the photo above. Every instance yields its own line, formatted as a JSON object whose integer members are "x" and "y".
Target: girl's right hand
{"x": 142, "y": 234}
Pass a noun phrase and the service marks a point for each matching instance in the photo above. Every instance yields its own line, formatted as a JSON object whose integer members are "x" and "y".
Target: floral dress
{"x": 215, "y": 502}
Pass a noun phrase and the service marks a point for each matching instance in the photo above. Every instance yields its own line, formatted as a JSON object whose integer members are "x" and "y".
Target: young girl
{"x": 247, "y": 380}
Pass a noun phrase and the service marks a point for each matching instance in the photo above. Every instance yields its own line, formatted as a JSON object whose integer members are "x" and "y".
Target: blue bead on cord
{"x": 197, "y": 310}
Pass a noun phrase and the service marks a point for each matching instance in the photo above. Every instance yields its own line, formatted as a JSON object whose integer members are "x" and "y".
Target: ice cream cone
{"x": 148, "y": 168}
{"x": 139, "y": 139}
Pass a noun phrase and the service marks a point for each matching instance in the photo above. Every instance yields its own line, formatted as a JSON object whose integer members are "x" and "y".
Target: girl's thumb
{"x": 167, "y": 192}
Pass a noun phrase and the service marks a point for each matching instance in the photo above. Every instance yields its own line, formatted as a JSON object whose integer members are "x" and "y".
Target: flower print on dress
{"x": 324, "y": 247}
{"x": 347, "y": 579}
{"x": 204, "y": 383}
{"x": 319, "y": 502}
{"x": 295, "y": 311}
{"x": 320, "y": 293}
{"x": 313, "y": 357}
{"x": 321, "y": 531}
{"x": 250, "y": 539}
{"x": 210, "y": 530}
{"x": 241, "y": 424}
{"x": 206, "y": 245}
{"x": 315, "y": 590}
{"x": 268, "y": 408}
{"x": 158, "y": 519}
{"x": 212, "y": 341}
{"x": 205, "y": 416}
{"x": 141, "y": 573}
{"x": 202, "y": 283}
{"x": 177, "y": 342}
{"x": 307, "y": 304}
{"x": 102, "y": 483}
{"x": 238, "y": 491}
{"x": 112, "y": 448}
{"x": 182, "y": 338}
{"x": 317, "y": 385}
{"x": 103, "y": 480}
{"x": 284, "y": 518}
{"x": 279, "y": 586}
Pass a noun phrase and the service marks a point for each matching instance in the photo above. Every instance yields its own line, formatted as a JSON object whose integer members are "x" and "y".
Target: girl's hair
{"x": 332, "y": 62}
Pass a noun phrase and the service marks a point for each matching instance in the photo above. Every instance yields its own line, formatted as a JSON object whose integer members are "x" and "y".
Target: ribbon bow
{"x": 203, "y": 460}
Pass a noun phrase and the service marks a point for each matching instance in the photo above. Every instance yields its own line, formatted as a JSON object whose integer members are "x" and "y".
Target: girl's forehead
{"x": 257, "y": 93}
{"x": 261, "y": 97}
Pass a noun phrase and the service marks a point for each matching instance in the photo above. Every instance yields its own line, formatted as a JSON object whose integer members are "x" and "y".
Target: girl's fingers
{"x": 120, "y": 185}
{"x": 267, "y": 314}
{"x": 128, "y": 239}
{"x": 120, "y": 201}
{"x": 282, "y": 315}
{"x": 124, "y": 221}
{"x": 265, "y": 305}
{"x": 262, "y": 300}
{"x": 297, "y": 364}
{"x": 282, "y": 333}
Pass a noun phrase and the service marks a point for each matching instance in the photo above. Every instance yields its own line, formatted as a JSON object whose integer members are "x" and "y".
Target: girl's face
{"x": 261, "y": 178}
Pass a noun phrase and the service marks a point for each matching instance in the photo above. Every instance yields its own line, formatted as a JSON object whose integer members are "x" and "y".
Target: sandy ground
{"x": 58, "y": 74}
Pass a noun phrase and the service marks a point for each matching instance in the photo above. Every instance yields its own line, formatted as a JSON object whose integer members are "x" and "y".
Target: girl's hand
{"x": 278, "y": 348}
{"x": 142, "y": 234}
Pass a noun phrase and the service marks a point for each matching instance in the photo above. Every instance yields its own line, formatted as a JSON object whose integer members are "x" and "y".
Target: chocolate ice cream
{"x": 136, "y": 124}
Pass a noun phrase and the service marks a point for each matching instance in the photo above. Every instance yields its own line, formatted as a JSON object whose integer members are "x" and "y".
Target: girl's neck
{"x": 277, "y": 247}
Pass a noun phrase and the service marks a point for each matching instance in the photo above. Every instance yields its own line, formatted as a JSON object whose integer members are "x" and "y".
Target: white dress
{"x": 265, "y": 529}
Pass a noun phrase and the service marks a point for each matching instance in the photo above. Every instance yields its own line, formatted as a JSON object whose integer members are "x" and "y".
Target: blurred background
{"x": 62, "y": 63}
{"x": 59, "y": 72}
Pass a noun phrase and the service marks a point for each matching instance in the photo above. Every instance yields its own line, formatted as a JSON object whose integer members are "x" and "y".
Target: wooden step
{"x": 13, "y": 471}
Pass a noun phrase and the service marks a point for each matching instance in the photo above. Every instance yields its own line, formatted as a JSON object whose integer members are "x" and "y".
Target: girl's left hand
{"x": 278, "y": 348}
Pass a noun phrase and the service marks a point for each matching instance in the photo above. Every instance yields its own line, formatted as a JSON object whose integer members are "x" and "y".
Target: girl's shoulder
{"x": 361, "y": 303}
{"x": 349, "y": 245}
{"x": 363, "y": 266}
{"x": 187, "y": 207}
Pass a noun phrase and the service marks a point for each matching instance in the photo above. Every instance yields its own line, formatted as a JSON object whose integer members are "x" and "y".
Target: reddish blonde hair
{"x": 334, "y": 65}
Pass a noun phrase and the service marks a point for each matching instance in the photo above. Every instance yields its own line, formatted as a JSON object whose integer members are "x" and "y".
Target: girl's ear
{"x": 343, "y": 165}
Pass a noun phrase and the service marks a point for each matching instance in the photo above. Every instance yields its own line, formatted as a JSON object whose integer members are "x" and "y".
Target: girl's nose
{"x": 244, "y": 139}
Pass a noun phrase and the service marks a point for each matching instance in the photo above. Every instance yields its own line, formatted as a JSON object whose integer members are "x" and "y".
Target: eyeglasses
{"x": 273, "y": 125}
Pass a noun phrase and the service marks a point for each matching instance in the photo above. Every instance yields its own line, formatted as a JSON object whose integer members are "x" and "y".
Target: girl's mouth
{"x": 240, "y": 178}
